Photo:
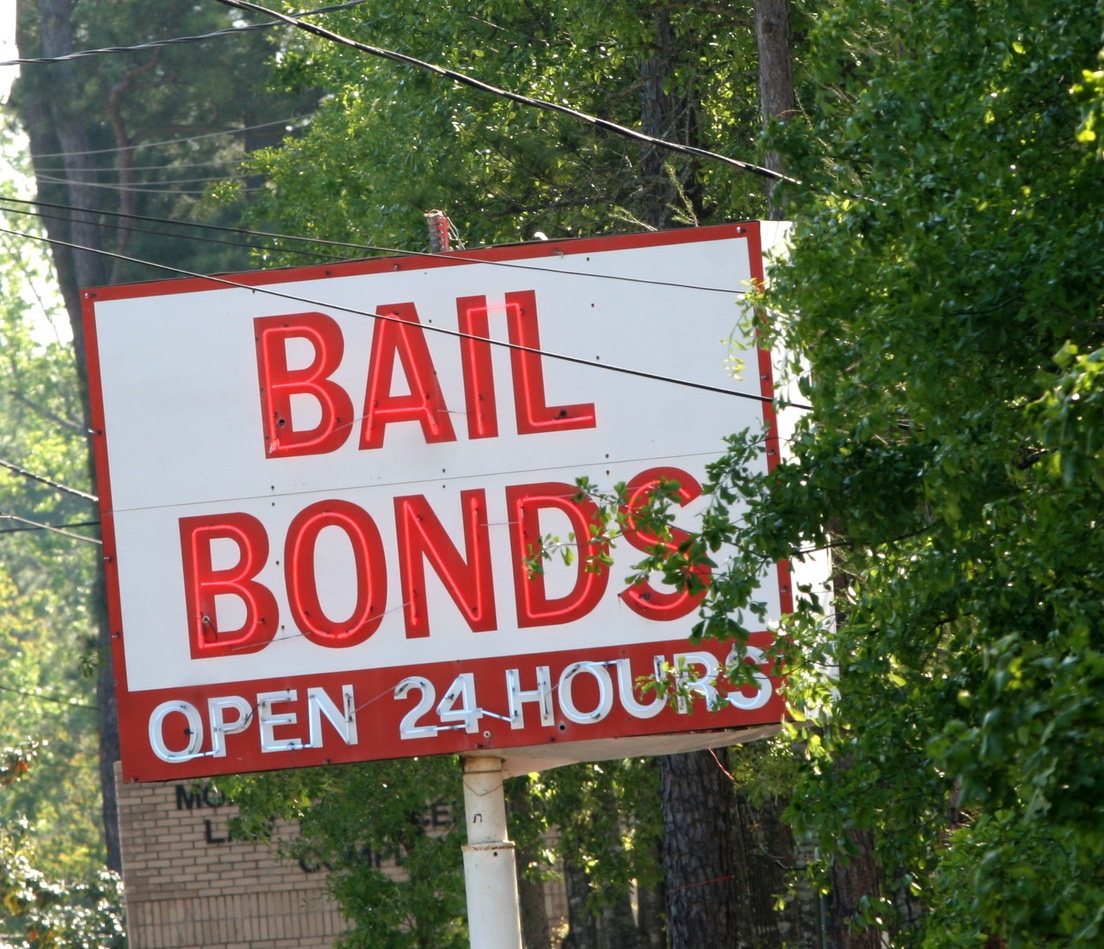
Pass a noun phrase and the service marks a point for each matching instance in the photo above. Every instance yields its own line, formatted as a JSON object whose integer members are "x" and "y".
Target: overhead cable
{"x": 137, "y": 189}
{"x": 68, "y": 703}
{"x": 50, "y": 528}
{"x": 165, "y": 166}
{"x": 372, "y": 248}
{"x": 54, "y": 179}
{"x": 23, "y": 472}
{"x": 35, "y": 527}
{"x": 470, "y": 81}
{"x": 176, "y": 237}
{"x": 175, "y": 41}
{"x": 175, "y": 141}
{"x": 427, "y": 327}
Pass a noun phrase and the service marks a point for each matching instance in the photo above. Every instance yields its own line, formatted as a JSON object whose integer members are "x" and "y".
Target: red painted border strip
{"x": 379, "y": 713}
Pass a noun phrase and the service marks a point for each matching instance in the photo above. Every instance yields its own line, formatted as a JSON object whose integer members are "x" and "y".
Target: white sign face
{"x": 322, "y": 489}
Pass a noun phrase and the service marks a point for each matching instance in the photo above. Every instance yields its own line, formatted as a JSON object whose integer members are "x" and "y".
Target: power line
{"x": 175, "y": 141}
{"x": 470, "y": 81}
{"x": 68, "y": 703}
{"x": 133, "y": 189}
{"x": 161, "y": 167}
{"x": 44, "y": 480}
{"x": 23, "y": 530}
{"x": 51, "y": 528}
{"x": 224, "y": 228}
{"x": 160, "y": 181}
{"x": 161, "y": 233}
{"x": 428, "y": 327}
{"x": 175, "y": 41}
{"x": 373, "y": 248}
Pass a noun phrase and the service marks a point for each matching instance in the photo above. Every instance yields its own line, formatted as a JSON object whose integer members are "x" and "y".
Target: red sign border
{"x": 151, "y": 769}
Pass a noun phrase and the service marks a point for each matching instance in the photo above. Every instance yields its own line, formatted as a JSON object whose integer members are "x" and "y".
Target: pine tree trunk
{"x": 851, "y": 882}
{"x": 582, "y": 932}
{"x": 534, "y": 915}
{"x": 765, "y": 861}
{"x": 535, "y": 933}
{"x": 776, "y": 84}
{"x": 698, "y": 851}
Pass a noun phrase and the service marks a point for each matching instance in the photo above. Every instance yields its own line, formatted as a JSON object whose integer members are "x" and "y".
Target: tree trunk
{"x": 664, "y": 193}
{"x": 535, "y": 933}
{"x": 53, "y": 127}
{"x": 651, "y": 906}
{"x": 728, "y": 864}
{"x": 534, "y": 915}
{"x": 765, "y": 861}
{"x": 776, "y": 83}
{"x": 582, "y": 931}
{"x": 851, "y": 882}
{"x": 699, "y": 857}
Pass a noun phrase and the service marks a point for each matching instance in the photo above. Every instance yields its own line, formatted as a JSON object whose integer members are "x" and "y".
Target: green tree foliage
{"x": 943, "y": 303}
{"x": 355, "y": 816}
{"x": 124, "y": 144}
{"x": 604, "y": 819}
{"x": 153, "y": 125}
{"x": 38, "y": 910}
{"x": 389, "y": 141}
{"x": 45, "y": 632}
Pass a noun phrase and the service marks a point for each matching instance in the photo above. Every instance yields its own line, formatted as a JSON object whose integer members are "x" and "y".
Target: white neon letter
{"x": 542, "y": 695}
{"x": 269, "y": 720}
{"x": 319, "y": 704}
{"x": 605, "y": 692}
{"x": 220, "y": 728}
{"x": 628, "y": 697}
{"x": 194, "y": 731}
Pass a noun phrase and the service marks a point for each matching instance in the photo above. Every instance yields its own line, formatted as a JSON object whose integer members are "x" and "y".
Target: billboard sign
{"x": 322, "y": 489}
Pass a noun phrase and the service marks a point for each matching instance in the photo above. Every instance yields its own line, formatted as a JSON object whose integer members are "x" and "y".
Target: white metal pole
{"x": 490, "y": 873}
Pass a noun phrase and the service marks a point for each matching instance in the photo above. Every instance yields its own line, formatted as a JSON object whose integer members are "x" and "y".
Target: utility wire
{"x": 68, "y": 703}
{"x": 179, "y": 237}
{"x": 23, "y": 530}
{"x": 223, "y": 228}
{"x": 135, "y": 189}
{"x": 429, "y": 327}
{"x": 161, "y": 167}
{"x": 160, "y": 181}
{"x": 51, "y": 528}
{"x": 373, "y": 248}
{"x": 176, "y": 41}
{"x": 472, "y": 82}
{"x": 50, "y": 481}
{"x": 462, "y": 78}
{"x": 175, "y": 141}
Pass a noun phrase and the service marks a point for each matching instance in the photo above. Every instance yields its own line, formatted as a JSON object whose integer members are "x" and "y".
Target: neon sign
{"x": 323, "y": 489}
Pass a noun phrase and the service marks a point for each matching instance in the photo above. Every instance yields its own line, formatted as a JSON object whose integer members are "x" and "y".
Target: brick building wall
{"x": 189, "y": 886}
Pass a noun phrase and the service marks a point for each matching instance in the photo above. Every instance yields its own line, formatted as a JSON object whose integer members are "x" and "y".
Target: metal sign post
{"x": 490, "y": 871}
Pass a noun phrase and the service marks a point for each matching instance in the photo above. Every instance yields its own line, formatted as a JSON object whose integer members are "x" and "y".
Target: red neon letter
{"x": 202, "y": 583}
{"x": 475, "y": 357}
{"x": 468, "y": 582}
{"x": 534, "y": 414}
{"x": 400, "y": 333}
{"x": 534, "y": 608}
{"x": 279, "y": 384}
{"x": 302, "y": 582}
{"x": 642, "y": 597}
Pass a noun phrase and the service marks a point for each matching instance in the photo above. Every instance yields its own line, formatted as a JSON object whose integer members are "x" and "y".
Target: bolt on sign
{"x": 322, "y": 489}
